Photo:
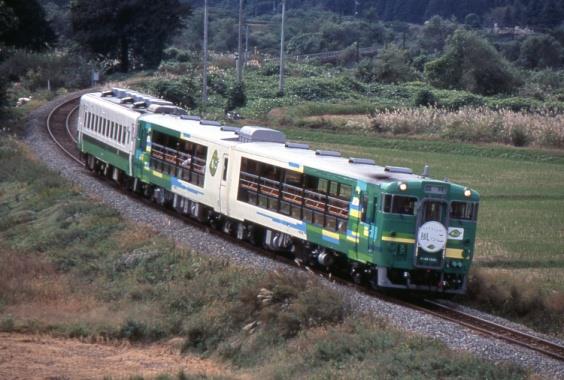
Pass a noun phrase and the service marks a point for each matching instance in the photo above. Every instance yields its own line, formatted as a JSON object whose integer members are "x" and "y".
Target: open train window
{"x": 463, "y": 210}
{"x": 399, "y": 204}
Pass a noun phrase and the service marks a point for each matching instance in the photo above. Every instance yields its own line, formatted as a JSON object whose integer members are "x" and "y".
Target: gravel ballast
{"x": 453, "y": 335}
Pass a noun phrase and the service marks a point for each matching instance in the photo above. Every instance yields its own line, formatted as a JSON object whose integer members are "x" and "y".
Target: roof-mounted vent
{"x": 139, "y": 105}
{"x": 127, "y": 99}
{"x": 296, "y": 146}
{"x": 166, "y": 109}
{"x": 119, "y": 92}
{"x": 158, "y": 102}
{"x": 261, "y": 134}
{"x": 213, "y": 123}
{"x": 398, "y": 169}
{"x": 107, "y": 93}
{"x": 229, "y": 128}
{"x": 191, "y": 117}
{"x": 328, "y": 153}
{"x": 362, "y": 161}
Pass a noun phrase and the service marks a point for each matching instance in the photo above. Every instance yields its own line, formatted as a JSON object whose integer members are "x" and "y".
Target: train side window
{"x": 403, "y": 205}
{"x": 310, "y": 182}
{"x": 322, "y": 185}
{"x": 463, "y": 210}
{"x": 333, "y": 188}
{"x": 225, "y": 163}
{"x": 364, "y": 208}
{"x": 387, "y": 203}
{"x": 345, "y": 192}
{"x": 293, "y": 178}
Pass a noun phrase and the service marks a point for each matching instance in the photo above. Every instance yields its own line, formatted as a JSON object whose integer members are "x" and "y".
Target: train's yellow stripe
{"x": 454, "y": 253}
{"x": 354, "y": 214}
{"x": 330, "y": 234}
{"x": 157, "y": 174}
{"x": 398, "y": 240}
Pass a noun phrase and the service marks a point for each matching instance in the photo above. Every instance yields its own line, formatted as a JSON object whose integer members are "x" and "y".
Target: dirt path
{"x": 43, "y": 357}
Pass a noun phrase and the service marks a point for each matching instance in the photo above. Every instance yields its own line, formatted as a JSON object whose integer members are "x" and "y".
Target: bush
{"x": 236, "y": 97}
{"x": 425, "y": 98}
{"x": 35, "y": 69}
{"x": 391, "y": 66}
{"x": 180, "y": 92}
{"x": 472, "y": 63}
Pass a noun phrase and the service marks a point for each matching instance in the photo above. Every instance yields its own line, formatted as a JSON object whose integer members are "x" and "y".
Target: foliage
{"x": 391, "y": 66}
{"x": 318, "y": 88}
{"x": 236, "y": 97}
{"x": 136, "y": 29}
{"x": 35, "y": 69}
{"x": 473, "y": 64}
{"x": 425, "y": 98}
{"x": 541, "y": 51}
{"x": 23, "y": 25}
{"x": 180, "y": 92}
{"x": 435, "y": 33}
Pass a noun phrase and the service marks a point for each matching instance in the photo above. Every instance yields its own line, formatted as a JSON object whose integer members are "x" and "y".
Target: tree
{"x": 26, "y": 25}
{"x": 435, "y": 32}
{"x": 136, "y": 29}
{"x": 472, "y": 63}
{"x": 472, "y": 20}
{"x": 542, "y": 51}
{"x": 391, "y": 66}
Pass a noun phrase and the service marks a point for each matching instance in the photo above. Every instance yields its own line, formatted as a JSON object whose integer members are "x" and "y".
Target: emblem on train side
{"x": 455, "y": 233}
{"x": 214, "y": 162}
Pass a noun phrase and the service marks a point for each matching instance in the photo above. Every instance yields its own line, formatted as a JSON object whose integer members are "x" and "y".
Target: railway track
{"x": 59, "y": 128}
{"x": 61, "y": 131}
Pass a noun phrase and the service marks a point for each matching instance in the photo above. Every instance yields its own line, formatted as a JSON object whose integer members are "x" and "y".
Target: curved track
{"x": 61, "y": 131}
{"x": 58, "y": 126}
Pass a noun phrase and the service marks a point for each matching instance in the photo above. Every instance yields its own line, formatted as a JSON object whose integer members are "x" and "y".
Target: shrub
{"x": 425, "y": 98}
{"x": 35, "y": 69}
{"x": 236, "y": 98}
{"x": 472, "y": 63}
{"x": 391, "y": 66}
{"x": 179, "y": 92}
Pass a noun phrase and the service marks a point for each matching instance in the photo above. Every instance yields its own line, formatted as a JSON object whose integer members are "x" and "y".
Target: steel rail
{"x": 50, "y": 125}
{"x": 492, "y": 328}
{"x": 67, "y": 123}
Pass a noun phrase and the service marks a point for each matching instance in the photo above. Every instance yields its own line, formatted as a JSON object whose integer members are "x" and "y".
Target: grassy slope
{"x": 72, "y": 267}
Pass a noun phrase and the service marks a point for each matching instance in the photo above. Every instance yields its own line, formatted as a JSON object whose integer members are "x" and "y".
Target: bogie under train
{"x": 384, "y": 225}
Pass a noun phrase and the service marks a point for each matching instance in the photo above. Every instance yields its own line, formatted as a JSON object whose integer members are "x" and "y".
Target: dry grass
{"x": 475, "y": 125}
{"x": 512, "y": 294}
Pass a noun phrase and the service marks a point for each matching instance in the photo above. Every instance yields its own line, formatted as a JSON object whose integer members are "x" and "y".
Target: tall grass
{"x": 476, "y": 125}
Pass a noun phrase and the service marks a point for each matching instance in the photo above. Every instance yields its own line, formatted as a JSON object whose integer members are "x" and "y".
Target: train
{"x": 382, "y": 225}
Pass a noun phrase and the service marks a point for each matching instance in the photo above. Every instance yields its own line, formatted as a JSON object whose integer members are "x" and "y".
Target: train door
{"x": 366, "y": 229}
{"x": 223, "y": 188}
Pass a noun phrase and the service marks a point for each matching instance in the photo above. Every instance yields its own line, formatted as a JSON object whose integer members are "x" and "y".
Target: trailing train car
{"x": 383, "y": 224}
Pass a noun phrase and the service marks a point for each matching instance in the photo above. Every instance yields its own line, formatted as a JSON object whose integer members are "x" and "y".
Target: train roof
{"x": 329, "y": 161}
{"x": 272, "y": 145}
{"x": 135, "y": 102}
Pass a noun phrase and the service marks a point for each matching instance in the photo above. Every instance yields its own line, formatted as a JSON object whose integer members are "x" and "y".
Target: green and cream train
{"x": 382, "y": 224}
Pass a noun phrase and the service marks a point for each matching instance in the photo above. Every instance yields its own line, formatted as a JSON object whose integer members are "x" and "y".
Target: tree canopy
{"x": 23, "y": 25}
{"x": 471, "y": 63}
{"x": 132, "y": 31}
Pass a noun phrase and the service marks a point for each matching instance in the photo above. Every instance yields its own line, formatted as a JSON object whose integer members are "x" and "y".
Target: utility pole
{"x": 240, "y": 59}
{"x": 281, "y": 84}
{"x": 205, "y": 75}
{"x": 246, "y": 46}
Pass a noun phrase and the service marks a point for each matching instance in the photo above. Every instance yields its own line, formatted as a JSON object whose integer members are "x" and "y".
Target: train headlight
{"x": 467, "y": 193}
{"x": 403, "y": 186}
